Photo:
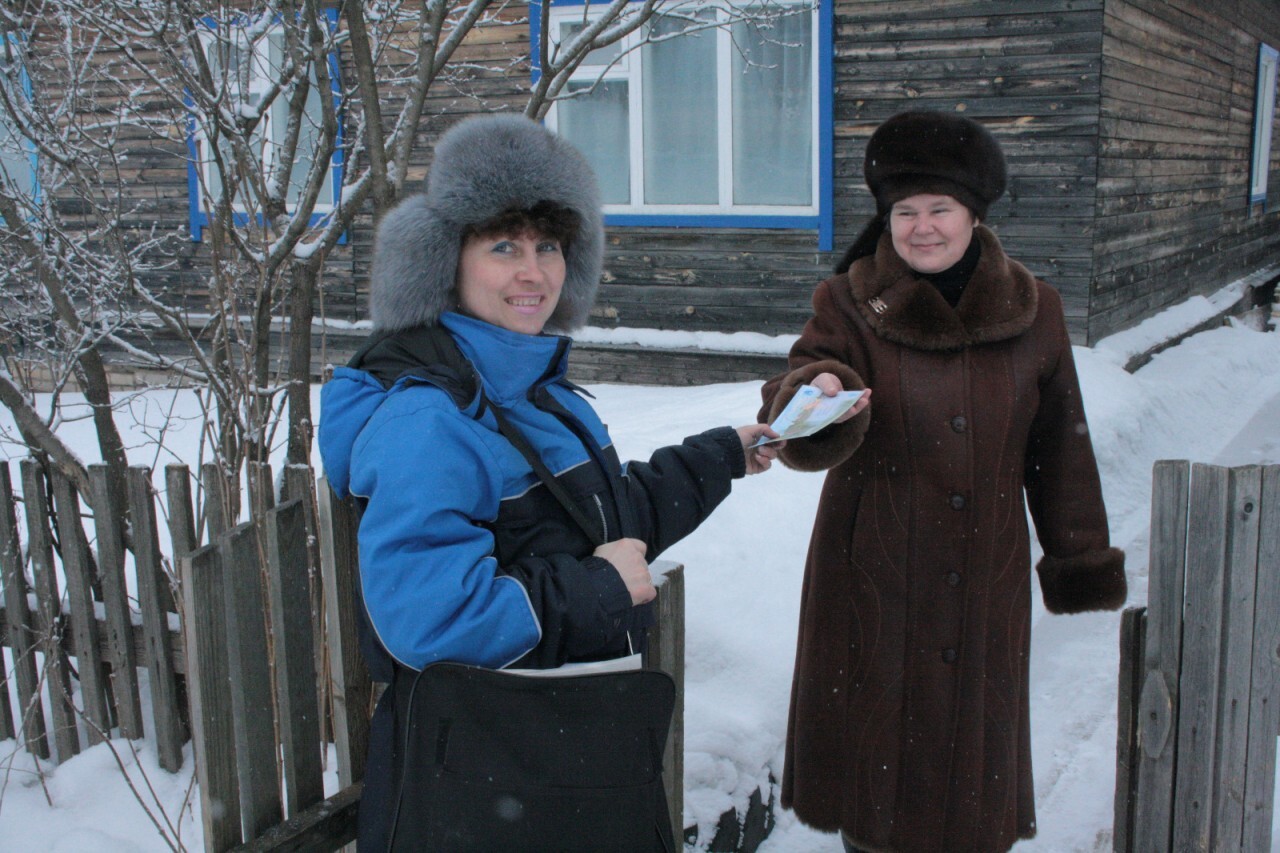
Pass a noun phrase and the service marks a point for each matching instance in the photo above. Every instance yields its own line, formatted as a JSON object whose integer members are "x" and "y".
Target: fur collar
{"x": 999, "y": 302}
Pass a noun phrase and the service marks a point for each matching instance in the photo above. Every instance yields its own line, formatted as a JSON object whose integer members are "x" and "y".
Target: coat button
{"x": 953, "y": 578}
{"x": 959, "y": 423}
{"x": 949, "y": 655}
{"x": 957, "y": 501}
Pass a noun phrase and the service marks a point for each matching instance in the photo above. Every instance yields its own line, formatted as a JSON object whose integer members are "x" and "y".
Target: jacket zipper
{"x": 604, "y": 524}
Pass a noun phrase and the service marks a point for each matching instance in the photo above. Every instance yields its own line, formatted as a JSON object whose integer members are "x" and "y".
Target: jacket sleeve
{"x": 680, "y": 485}
{"x": 823, "y": 347}
{"x": 1080, "y": 570}
{"x": 431, "y": 584}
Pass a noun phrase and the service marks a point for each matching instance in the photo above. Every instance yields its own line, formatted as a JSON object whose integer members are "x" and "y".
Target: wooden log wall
{"x": 1177, "y": 116}
{"x": 1028, "y": 71}
{"x": 1126, "y": 124}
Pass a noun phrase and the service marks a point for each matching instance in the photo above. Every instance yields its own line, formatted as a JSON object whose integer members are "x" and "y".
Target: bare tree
{"x": 250, "y": 93}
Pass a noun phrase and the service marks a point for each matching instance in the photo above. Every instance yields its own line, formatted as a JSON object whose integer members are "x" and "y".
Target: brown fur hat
{"x": 933, "y": 152}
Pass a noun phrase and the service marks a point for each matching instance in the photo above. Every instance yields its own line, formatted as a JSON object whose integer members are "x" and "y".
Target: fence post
{"x": 1201, "y": 658}
{"x": 1239, "y": 594}
{"x": 182, "y": 520}
{"x": 250, "y": 679}
{"x": 22, "y": 638}
{"x": 77, "y": 571}
{"x": 1264, "y": 716}
{"x": 300, "y": 483}
{"x": 212, "y": 738}
{"x": 40, "y": 545}
{"x": 152, "y": 597}
{"x": 115, "y": 601}
{"x": 1158, "y": 709}
{"x": 286, "y": 534}
{"x": 1132, "y": 634}
{"x": 352, "y": 690}
{"x": 666, "y": 653}
{"x": 1208, "y": 721}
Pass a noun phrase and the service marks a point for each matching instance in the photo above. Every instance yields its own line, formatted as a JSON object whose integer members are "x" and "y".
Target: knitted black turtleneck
{"x": 951, "y": 281}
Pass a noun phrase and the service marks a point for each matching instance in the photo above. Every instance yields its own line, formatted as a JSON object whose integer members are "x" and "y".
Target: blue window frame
{"x": 18, "y": 158}
{"x": 265, "y": 50}
{"x": 724, "y": 126}
{"x": 1263, "y": 120}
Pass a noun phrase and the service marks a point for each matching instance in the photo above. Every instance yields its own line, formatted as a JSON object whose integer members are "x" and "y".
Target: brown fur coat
{"x": 909, "y": 712}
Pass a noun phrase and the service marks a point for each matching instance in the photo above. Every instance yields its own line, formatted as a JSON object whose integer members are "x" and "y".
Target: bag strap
{"x": 432, "y": 354}
{"x": 517, "y": 439}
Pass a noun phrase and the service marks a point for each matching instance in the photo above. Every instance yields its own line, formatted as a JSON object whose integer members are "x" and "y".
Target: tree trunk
{"x": 301, "y": 312}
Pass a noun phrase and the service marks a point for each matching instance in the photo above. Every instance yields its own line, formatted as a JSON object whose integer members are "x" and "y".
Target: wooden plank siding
{"x": 1127, "y": 126}
{"x": 1177, "y": 106}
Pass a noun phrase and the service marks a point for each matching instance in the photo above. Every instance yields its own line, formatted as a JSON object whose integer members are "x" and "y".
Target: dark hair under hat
{"x": 928, "y": 152}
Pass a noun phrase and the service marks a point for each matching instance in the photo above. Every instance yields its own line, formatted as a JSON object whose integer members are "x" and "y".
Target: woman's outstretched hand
{"x": 830, "y": 385}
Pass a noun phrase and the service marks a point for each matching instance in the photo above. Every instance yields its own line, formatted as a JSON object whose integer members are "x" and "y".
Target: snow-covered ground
{"x": 1214, "y": 398}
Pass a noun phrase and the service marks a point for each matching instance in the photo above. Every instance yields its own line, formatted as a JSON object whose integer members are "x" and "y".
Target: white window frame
{"x": 629, "y": 68}
{"x": 1264, "y": 112}
{"x": 207, "y": 175}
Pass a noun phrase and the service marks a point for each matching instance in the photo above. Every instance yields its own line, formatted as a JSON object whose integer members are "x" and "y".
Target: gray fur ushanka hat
{"x": 484, "y": 166}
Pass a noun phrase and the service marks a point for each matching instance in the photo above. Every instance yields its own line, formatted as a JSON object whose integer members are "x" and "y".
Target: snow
{"x": 1213, "y": 398}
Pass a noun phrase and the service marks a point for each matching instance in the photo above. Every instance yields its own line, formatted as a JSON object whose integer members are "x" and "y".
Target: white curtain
{"x": 681, "y": 165}
{"x": 597, "y": 125}
{"x": 773, "y": 112}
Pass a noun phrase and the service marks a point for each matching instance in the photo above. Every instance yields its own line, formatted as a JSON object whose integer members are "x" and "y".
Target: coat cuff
{"x": 837, "y": 442}
{"x": 1090, "y": 581}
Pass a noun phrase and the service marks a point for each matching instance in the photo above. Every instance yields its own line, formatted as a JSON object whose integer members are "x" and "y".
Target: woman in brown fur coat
{"x": 909, "y": 722}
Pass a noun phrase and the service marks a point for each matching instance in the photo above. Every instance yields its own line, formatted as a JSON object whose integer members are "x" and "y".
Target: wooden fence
{"x": 1199, "y": 709}
{"x": 236, "y": 636}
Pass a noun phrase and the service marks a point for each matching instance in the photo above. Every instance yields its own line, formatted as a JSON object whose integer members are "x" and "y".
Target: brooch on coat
{"x": 877, "y": 305}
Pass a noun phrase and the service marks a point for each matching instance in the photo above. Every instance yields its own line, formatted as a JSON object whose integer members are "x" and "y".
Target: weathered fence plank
{"x": 182, "y": 519}
{"x": 48, "y": 602}
{"x": 153, "y": 599}
{"x": 1244, "y": 489}
{"x": 1128, "y": 748}
{"x": 260, "y": 486}
{"x": 1201, "y": 657}
{"x": 1207, "y": 728}
{"x": 22, "y": 639}
{"x": 1264, "y": 716}
{"x": 291, "y": 616}
{"x": 352, "y": 690}
{"x": 248, "y": 664}
{"x": 9, "y": 554}
{"x": 115, "y": 602}
{"x": 326, "y": 825}
{"x": 665, "y": 652}
{"x": 299, "y": 483}
{"x": 78, "y": 570}
{"x": 1158, "y": 714}
{"x": 219, "y": 512}
{"x": 213, "y": 739}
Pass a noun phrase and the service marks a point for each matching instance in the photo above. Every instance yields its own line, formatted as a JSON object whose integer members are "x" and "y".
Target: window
{"x": 252, "y": 58}
{"x": 17, "y": 153}
{"x": 718, "y": 123}
{"x": 1263, "y": 118}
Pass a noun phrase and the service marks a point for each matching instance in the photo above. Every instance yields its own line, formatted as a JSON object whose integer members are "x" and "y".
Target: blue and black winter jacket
{"x": 464, "y": 554}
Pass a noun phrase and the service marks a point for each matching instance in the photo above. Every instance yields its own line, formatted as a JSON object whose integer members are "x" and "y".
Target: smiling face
{"x": 511, "y": 280}
{"x": 931, "y": 232}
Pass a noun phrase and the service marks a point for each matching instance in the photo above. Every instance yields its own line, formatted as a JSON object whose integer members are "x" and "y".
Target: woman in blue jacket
{"x": 465, "y": 554}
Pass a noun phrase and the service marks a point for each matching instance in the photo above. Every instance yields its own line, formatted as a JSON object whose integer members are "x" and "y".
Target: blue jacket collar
{"x": 509, "y": 363}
